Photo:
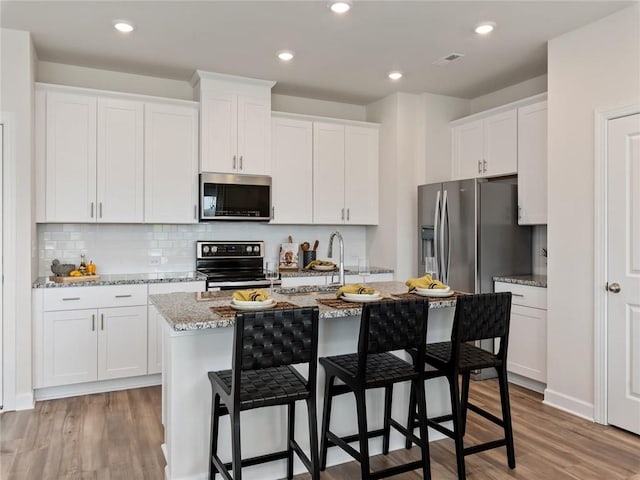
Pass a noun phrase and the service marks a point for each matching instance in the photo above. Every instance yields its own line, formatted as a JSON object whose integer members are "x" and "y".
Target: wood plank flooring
{"x": 117, "y": 436}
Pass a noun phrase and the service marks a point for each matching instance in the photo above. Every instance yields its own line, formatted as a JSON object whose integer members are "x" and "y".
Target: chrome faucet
{"x": 330, "y": 255}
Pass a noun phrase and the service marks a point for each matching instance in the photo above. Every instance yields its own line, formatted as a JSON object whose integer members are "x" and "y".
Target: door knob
{"x": 613, "y": 287}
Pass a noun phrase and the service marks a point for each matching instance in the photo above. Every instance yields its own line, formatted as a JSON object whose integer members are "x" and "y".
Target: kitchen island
{"x": 198, "y": 338}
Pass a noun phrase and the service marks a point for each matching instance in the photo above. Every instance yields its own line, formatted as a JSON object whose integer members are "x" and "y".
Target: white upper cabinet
{"x": 235, "y": 124}
{"x": 171, "y": 164}
{"x": 292, "y": 170}
{"x": 532, "y": 164}
{"x": 120, "y": 161}
{"x": 328, "y": 173}
{"x": 345, "y": 174}
{"x": 486, "y": 146}
{"x": 70, "y": 158}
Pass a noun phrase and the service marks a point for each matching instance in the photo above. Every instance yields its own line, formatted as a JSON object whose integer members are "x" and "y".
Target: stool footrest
{"x": 485, "y": 446}
{"x": 485, "y": 414}
{"x": 301, "y": 455}
{"x": 404, "y": 431}
{"x": 269, "y": 457}
{"x": 391, "y": 471}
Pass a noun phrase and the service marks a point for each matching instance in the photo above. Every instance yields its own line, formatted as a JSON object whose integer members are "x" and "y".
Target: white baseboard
{"x": 527, "y": 383}
{"x": 74, "y": 390}
{"x": 25, "y": 401}
{"x": 568, "y": 404}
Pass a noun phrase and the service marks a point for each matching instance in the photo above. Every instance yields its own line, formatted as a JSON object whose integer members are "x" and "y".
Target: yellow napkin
{"x": 424, "y": 282}
{"x": 354, "y": 288}
{"x": 255, "y": 295}
{"x": 320, "y": 263}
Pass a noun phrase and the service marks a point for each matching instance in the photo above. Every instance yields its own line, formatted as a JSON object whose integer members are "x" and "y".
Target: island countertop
{"x": 193, "y": 311}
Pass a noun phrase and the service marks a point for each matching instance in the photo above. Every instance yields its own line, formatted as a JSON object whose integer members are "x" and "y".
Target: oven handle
{"x": 237, "y": 285}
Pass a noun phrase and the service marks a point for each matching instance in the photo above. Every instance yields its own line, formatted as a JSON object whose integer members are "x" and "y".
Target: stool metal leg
{"x": 291, "y": 422}
{"x": 464, "y": 401}
{"x": 215, "y": 420}
{"x": 457, "y": 424}
{"x": 361, "y": 411}
{"x": 506, "y": 415}
{"x": 422, "y": 423}
{"x": 235, "y": 442}
{"x": 388, "y": 397}
{"x": 326, "y": 420}
{"x": 411, "y": 416}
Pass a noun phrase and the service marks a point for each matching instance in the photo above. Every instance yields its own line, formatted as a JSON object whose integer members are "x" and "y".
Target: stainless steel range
{"x": 232, "y": 265}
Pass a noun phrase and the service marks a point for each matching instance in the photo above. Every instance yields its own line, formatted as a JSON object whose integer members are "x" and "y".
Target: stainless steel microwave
{"x": 235, "y": 197}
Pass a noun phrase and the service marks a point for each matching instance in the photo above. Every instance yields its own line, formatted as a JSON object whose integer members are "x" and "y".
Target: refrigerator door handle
{"x": 436, "y": 221}
{"x": 444, "y": 275}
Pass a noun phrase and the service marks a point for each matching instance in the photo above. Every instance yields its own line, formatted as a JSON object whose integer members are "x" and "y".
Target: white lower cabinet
{"x": 527, "y": 354}
{"x": 122, "y": 338}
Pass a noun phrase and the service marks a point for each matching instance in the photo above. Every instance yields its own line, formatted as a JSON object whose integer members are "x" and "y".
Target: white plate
{"x": 254, "y": 306}
{"x": 324, "y": 268}
{"x": 252, "y": 302}
{"x": 427, "y": 290}
{"x": 358, "y": 296}
{"x": 434, "y": 292}
{"x": 362, "y": 298}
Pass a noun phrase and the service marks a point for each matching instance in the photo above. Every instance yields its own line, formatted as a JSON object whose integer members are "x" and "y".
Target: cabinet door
{"x": 254, "y": 134}
{"x": 70, "y": 158}
{"x": 120, "y": 161}
{"x": 171, "y": 164}
{"x": 219, "y": 134}
{"x": 361, "y": 175}
{"x": 328, "y": 173}
{"x": 122, "y": 342}
{"x": 528, "y": 343}
{"x": 501, "y": 144}
{"x": 467, "y": 149}
{"x": 292, "y": 171}
{"x": 70, "y": 347}
{"x": 532, "y": 164}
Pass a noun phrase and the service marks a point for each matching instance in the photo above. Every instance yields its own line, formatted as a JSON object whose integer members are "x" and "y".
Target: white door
{"x": 1, "y": 269}
{"x": 467, "y": 146}
{"x": 361, "y": 175}
{"x": 120, "y": 161}
{"x": 500, "y": 144}
{"x": 122, "y": 342}
{"x": 623, "y": 258}
{"x": 254, "y": 133}
{"x": 328, "y": 173}
{"x": 171, "y": 164}
{"x": 219, "y": 134}
{"x": 292, "y": 170}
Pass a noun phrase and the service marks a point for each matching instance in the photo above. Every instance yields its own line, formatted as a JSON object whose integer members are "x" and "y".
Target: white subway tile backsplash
{"x": 134, "y": 248}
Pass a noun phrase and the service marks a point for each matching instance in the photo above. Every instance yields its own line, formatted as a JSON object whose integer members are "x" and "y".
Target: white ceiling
{"x": 342, "y": 58}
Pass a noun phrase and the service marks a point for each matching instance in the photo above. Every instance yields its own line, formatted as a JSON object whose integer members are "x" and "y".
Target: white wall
{"x": 17, "y": 70}
{"x": 509, "y": 94}
{"x": 310, "y": 106}
{"x": 595, "y": 66}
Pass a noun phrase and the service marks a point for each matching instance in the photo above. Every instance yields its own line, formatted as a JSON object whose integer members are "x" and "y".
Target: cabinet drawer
{"x": 524, "y": 295}
{"x": 73, "y": 298}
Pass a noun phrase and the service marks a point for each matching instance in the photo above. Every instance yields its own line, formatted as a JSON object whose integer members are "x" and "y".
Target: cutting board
{"x": 84, "y": 278}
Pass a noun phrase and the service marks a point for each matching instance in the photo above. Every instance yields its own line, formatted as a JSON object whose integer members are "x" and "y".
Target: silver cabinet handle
{"x": 123, "y": 296}
{"x": 195, "y": 212}
{"x": 70, "y": 298}
{"x": 100, "y": 208}
{"x": 613, "y": 287}
{"x": 93, "y": 322}
{"x": 516, "y": 294}
{"x": 240, "y": 162}
{"x": 484, "y": 166}
{"x": 342, "y": 215}
{"x": 273, "y": 212}
{"x": 102, "y": 321}
{"x": 348, "y": 213}
{"x": 91, "y": 209}
{"x": 479, "y": 166}
{"x": 519, "y": 212}
{"x": 234, "y": 162}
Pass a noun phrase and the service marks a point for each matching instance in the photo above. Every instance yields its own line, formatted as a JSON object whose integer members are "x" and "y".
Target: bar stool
{"x": 266, "y": 344}
{"x": 477, "y": 317}
{"x": 385, "y": 326}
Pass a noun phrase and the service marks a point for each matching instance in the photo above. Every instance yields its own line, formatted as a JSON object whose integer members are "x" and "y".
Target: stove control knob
{"x": 256, "y": 249}
{"x": 248, "y": 248}
{"x": 205, "y": 249}
{"x": 214, "y": 249}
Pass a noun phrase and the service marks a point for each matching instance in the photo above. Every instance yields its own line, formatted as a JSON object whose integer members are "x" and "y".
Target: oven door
{"x": 235, "y": 197}
{"x": 240, "y": 285}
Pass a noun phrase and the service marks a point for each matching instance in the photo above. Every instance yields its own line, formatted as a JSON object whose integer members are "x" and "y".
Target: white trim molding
{"x": 602, "y": 117}
{"x": 568, "y": 404}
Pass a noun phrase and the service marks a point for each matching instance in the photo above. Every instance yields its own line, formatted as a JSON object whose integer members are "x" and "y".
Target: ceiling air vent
{"x": 452, "y": 57}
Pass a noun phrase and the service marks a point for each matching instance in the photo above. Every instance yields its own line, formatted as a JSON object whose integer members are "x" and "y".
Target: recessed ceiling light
{"x": 123, "y": 26}
{"x": 485, "y": 28}
{"x": 285, "y": 55}
{"x": 395, "y": 75}
{"x": 342, "y": 6}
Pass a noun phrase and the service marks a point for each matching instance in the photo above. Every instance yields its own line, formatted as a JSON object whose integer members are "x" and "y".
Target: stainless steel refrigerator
{"x": 471, "y": 227}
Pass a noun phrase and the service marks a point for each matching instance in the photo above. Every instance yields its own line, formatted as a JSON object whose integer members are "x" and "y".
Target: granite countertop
{"x": 126, "y": 279}
{"x": 192, "y": 311}
{"x": 315, "y": 273}
{"x": 529, "y": 280}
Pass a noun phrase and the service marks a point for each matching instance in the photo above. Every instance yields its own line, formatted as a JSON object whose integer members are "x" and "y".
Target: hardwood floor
{"x": 117, "y": 436}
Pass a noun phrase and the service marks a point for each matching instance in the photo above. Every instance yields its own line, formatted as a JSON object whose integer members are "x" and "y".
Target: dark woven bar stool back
{"x": 385, "y": 326}
{"x": 477, "y": 317}
{"x": 266, "y": 345}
